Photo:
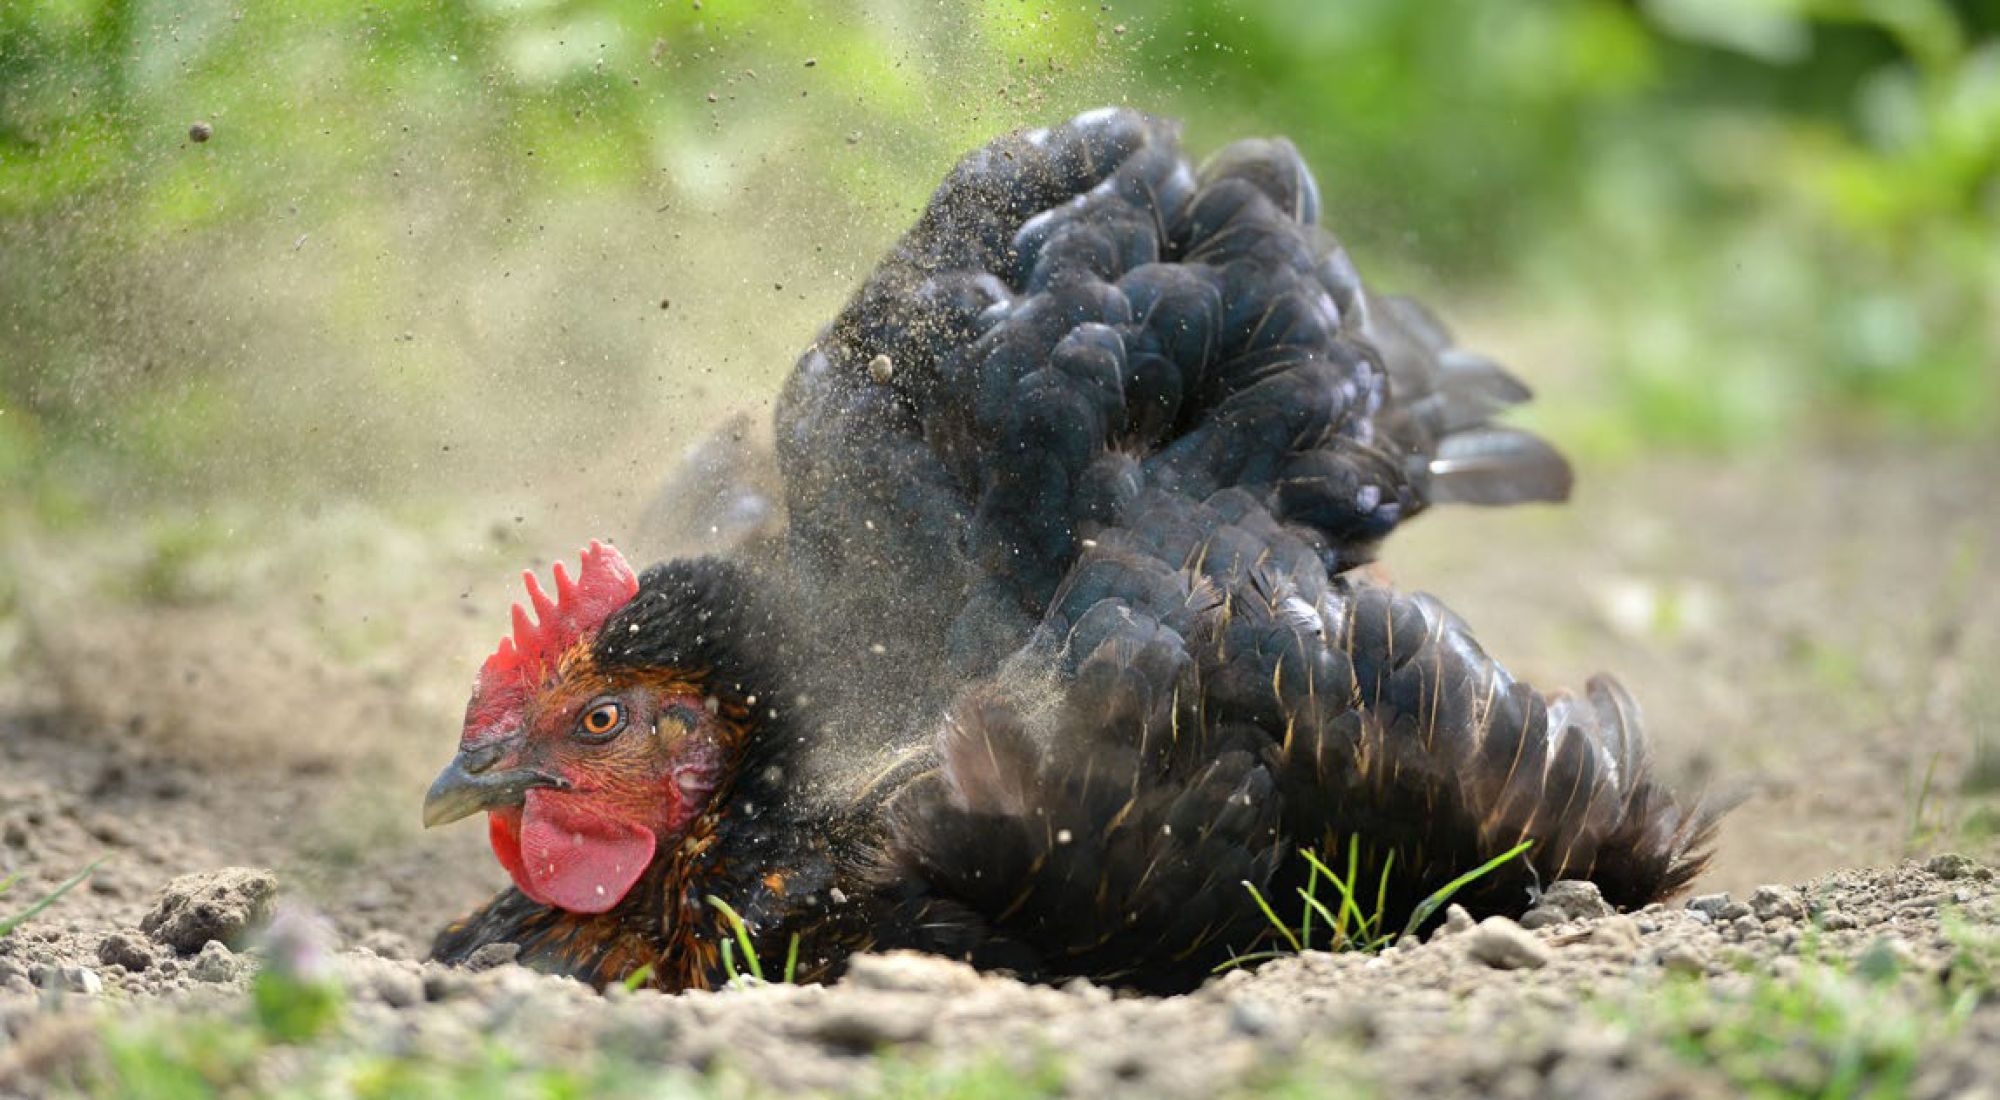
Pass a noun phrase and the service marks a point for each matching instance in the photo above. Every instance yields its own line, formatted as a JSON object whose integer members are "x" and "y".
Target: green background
{"x": 426, "y": 242}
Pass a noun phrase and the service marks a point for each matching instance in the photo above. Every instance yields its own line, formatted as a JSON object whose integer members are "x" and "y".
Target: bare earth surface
{"x": 1816, "y": 637}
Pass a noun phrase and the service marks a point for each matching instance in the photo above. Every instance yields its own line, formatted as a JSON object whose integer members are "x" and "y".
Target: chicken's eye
{"x": 601, "y": 722}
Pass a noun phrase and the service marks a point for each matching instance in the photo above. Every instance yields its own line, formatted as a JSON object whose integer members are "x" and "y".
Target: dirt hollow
{"x": 1814, "y": 637}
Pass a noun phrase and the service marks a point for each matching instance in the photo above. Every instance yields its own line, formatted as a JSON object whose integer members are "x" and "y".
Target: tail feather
{"x": 1207, "y": 679}
{"x": 1497, "y": 466}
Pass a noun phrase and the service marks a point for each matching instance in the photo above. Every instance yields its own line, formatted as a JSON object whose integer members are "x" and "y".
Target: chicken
{"x": 1066, "y": 651}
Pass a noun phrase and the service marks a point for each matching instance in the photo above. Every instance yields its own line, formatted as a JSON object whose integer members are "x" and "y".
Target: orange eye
{"x": 602, "y": 720}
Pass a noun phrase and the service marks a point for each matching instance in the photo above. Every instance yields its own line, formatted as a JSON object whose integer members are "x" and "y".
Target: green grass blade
{"x": 1350, "y": 913}
{"x": 1381, "y": 897}
{"x": 1314, "y": 905}
{"x": 1234, "y": 961}
{"x": 638, "y": 977}
{"x": 8, "y": 924}
{"x": 1312, "y": 896}
{"x": 1272, "y": 917}
{"x": 792, "y": 960}
{"x": 9, "y": 881}
{"x": 742, "y": 932}
{"x": 1444, "y": 894}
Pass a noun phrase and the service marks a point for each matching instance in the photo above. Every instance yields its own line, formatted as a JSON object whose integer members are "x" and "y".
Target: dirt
{"x": 1813, "y": 637}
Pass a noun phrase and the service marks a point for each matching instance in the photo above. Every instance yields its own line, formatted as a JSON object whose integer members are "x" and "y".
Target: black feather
{"x": 1071, "y": 576}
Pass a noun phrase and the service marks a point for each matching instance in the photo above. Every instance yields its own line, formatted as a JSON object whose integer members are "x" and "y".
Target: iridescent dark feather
{"x": 1075, "y": 483}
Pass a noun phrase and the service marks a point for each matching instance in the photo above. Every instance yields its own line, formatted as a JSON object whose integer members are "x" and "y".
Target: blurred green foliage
{"x": 421, "y": 238}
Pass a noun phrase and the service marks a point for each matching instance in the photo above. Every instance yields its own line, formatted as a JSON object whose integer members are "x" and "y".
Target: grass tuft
{"x": 1349, "y": 925}
{"x": 740, "y": 936}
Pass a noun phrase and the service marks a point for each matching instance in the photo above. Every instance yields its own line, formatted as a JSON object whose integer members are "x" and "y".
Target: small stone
{"x": 1837, "y": 920}
{"x": 866, "y": 1023}
{"x": 1951, "y": 865}
{"x": 881, "y": 369}
{"x": 443, "y": 983}
{"x": 1456, "y": 921}
{"x": 909, "y": 972}
{"x": 1776, "y": 903}
{"x": 1681, "y": 958}
{"x": 401, "y": 987}
{"x": 1504, "y": 945}
{"x": 1252, "y": 1017}
{"x": 1618, "y": 933}
{"x": 82, "y": 979}
{"x": 492, "y": 955}
{"x": 200, "y": 132}
{"x": 1566, "y": 901}
{"x": 134, "y": 953}
{"x": 1711, "y": 905}
{"x": 1719, "y": 909}
{"x": 215, "y": 963}
{"x": 1884, "y": 958}
{"x": 386, "y": 944}
{"x": 223, "y": 905}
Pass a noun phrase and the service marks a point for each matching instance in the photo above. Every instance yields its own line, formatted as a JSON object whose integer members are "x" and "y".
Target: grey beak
{"x": 467, "y": 786}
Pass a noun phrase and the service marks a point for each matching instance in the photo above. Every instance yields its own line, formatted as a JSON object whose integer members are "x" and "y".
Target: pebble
{"x": 1952, "y": 865}
{"x": 82, "y": 979}
{"x": 215, "y": 963}
{"x": 400, "y": 986}
{"x": 1681, "y": 958}
{"x": 881, "y": 370}
{"x": 1504, "y": 945}
{"x": 134, "y": 953}
{"x": 224, "y": 905}
{"x": 1776, "y": 903}
{"x": 489, "y": 956}
{"x": 867, "y": 1023}
{"x": 910, "y": 972}
{"x": 1620, "y": 933}
{"x": 1565, "y": 901}
{"x": 1719, "y": 908}
{"x": 387, "y": 944}
{"x": 1252, "y": 1017}
{"x": 1456, "y": 921}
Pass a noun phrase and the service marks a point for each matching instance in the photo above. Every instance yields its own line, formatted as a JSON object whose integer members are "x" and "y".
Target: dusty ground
{"x": 1815, "y": 636}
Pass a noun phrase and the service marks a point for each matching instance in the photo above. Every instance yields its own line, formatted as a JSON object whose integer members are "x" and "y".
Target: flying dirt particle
{"x": 811, "y": 62}
{"x": 1119, "y": 29}
{"x": 854, "y": 137}
{"x": 200, "y": 132}
{"x": 666, "y": 303}
{"x": 711, "y": 97}
{"x": 881, "y": 369}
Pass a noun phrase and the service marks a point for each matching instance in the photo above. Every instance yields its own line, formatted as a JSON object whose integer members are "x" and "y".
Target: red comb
{"x": 604, "y": 583}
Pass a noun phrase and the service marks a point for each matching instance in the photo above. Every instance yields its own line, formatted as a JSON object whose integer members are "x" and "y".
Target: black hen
{"x": 1076, "y": 484}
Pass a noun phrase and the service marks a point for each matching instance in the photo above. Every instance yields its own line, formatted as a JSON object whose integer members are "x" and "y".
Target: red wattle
{"x": 562, "y": 852}
{"x": 503, "y": 831}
